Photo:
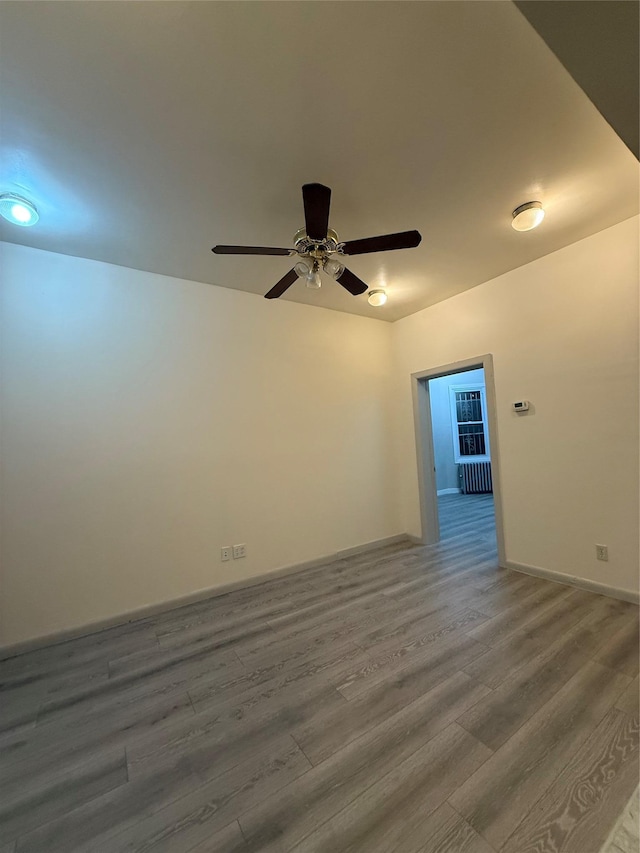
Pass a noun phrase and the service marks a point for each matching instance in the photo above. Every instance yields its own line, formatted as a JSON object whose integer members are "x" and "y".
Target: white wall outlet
{"x": 225, "y": 553}
{"x": 602, "y": 552}
{"x": 239, "y": 551}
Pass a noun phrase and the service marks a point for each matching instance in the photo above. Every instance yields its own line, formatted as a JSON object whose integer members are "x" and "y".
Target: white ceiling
{"x": 148, "y": 132}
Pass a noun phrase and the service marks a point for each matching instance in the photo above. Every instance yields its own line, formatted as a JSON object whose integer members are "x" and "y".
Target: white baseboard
{"x": 448, "y": 492}
{"x": 140, "y": 613}
{"x": 581, "y": 583}
{"x": 146, "y": 612}
{"x": 369, "y": 546}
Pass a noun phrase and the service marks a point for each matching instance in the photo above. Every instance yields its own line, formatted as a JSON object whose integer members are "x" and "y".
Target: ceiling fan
{"x": 316, "y": 243}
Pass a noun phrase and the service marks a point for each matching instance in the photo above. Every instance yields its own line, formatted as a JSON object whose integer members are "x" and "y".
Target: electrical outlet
{"x": 602, "y": 552}
{"x": 225, "y": 553}
{"x": 239, "y": 551}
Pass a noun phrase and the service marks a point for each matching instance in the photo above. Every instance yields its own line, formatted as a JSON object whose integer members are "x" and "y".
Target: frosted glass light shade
{"x": 309, "y": 272}
{"x": 313, "y": 281}
{"x": 527, "y": 216}
{"x": 377, "y": 298}
{"x": 333, "y": 268}
{"x": 18, "y": 210}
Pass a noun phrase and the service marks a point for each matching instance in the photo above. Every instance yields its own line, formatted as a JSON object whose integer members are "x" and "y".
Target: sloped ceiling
{"x": 148, "y": 132}
{"x": 599, "y": 45}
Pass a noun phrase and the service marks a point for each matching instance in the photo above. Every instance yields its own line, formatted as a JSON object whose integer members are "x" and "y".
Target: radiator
{"x": 475, "y": 478}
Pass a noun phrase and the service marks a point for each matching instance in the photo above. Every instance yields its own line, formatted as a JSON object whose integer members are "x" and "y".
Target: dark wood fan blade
{"x": 250, "y": 250}
{"x": 403, "y": 240}
{"x": 352, "y": 283}
{"x": 285, "y": 282}
{"x": 317, "y": 200}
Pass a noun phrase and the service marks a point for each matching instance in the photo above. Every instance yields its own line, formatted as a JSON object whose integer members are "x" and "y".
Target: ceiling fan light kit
{"x": 316, "y": 243}
{"x": 527, "y": 216}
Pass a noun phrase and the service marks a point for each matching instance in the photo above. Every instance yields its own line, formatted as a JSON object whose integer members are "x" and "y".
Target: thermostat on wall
{"x": 521, "y": 406}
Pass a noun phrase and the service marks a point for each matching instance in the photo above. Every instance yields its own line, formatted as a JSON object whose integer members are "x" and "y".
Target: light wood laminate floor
{"x": 412, "y": 699}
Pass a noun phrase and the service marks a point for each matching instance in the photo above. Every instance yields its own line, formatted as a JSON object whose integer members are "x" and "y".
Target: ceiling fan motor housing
{"x": 321, "y": 249}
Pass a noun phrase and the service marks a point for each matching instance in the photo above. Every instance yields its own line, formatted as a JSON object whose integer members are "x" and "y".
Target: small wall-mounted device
{"x": 521, "y": 406}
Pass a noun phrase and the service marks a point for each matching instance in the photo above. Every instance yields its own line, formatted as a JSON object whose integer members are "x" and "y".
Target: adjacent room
{"x": 355, "y": 566}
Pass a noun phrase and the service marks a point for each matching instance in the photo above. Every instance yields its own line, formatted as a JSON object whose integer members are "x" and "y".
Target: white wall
{"x": 147, "y": 421}
{"x": 563, "y": 332}
{"x": 443, "y": 446}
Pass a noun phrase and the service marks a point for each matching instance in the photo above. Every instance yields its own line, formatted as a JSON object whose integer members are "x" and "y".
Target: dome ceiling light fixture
{"x": 376, "y": 298}
{"x": 527, "y": 216}
{"x": 18, "y": 210}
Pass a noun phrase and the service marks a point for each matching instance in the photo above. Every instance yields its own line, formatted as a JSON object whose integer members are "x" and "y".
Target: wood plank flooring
{"x": 411, "y": 699}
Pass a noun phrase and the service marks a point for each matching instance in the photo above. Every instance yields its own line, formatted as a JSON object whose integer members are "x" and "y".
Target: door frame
{"x": 430, "y": 527}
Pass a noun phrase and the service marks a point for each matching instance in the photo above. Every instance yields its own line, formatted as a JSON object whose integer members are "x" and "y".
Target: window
{"x": 469, "y": 423}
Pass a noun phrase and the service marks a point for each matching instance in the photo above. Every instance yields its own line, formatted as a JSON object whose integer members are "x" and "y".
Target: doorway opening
{"x": 457, "y": 450}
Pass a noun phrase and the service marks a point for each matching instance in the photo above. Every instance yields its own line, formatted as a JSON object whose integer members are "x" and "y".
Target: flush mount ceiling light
{"x": 18, "y": 210}
{"x": 527, "y": 216}
{"x": 376, "y": 298}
